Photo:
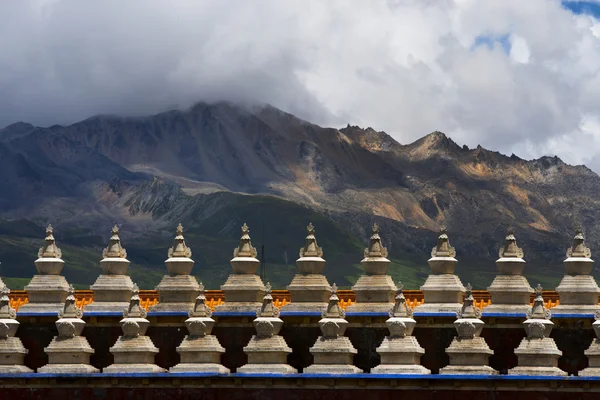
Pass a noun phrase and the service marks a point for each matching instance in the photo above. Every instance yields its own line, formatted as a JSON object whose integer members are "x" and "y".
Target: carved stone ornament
{"x": 70, "y": 309}
{"x": 264, "y": 328}
{"x": 131, "y": 329}
{"x": 538, "y": 310}
{"x": 443, "y": 248}
{"x": 334, "y": 310}
{"x": 579, "y": 249}
{"x": 196, "y": 328}
{"x": 201, "y": 309}
{"x": 6, "y": 311}
{"x": 535, "y": 330}
{"x": 4, "y": 329}
{"x": 376, "y": 248}
{"x": 268, "y": 309}
{"x": 311, "y": 249}
{"x": 510, "y": 249}
{"x": 114, "y": 249}
{"x": 330, "y": 330}
{"x": 400, "y": 308}
{"x": 66, "y": 329}
{"x": 397, "y": 329}
{"x": 179, "y": 248}
{"x": 466, "y": 330}
{"x": 245, "y": 248}
{"x": 135, "y": 310}
{"x": 49, "y": 250}
{"x": 468, "y": 309}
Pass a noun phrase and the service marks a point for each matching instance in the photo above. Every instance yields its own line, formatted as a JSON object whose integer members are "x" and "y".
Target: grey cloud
{"x": 405, "y": 66}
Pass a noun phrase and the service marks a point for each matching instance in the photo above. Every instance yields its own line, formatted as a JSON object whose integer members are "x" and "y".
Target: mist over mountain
{"x": 215, "y": 166}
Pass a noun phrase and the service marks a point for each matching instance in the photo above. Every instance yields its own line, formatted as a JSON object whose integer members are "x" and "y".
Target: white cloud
{"x": 405, "y": 66}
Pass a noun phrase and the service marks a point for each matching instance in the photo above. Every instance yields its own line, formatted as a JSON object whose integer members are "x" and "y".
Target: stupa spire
{"x": 401, "y": 309}
{"x": 179, "y": 248}
{"x": 443, "y": 248}
{"x": 579, "y": 249}
{"x": 201, "y": 309}
{"x": 333, "y": 308}
{"x": 538, "y": 310}
{"x": 245, "y": 248}
{"x": 49, "y": 250}
{"x": 6, "y": 311}
{"x": 468, "y": 309}
{"x": 70, "y": 309}
{"x": 510, "y": 249}
{"x": 376, "y": 248}
{"x": 268, "y": 309}
{"x": 311, "y": 248}
{"x": 135, "y": 310}
{"x": 114, "y": 248}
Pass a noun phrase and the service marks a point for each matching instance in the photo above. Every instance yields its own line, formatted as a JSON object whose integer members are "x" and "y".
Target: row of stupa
{"x": 267, "y": 351}
{"x": 244, "y": 290}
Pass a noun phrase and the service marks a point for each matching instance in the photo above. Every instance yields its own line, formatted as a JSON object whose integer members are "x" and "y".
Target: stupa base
{"x": 266, "y": 369}
{"x": 468, "y": 370}
{"x": 201, "y": 368}
{"x": 68, "y": 369}
{"x": 132, "y": 368}
{"x": 537, "y": 371}
{"x": 14, "y": 369}
{"x": 400, "y": 369}
{"x": 332, "y": 369}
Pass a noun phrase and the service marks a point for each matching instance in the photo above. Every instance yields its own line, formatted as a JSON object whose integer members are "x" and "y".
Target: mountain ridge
{"x": 203, "y": 165}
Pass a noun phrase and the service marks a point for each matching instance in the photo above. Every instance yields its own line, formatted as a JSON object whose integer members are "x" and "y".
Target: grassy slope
{"x": 213, "y": 239}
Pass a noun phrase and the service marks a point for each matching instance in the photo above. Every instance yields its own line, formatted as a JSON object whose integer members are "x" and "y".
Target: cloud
{"x": 511, "y": 75}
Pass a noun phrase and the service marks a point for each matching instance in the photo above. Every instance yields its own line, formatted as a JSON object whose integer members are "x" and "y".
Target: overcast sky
{"x": 516, "y": 76}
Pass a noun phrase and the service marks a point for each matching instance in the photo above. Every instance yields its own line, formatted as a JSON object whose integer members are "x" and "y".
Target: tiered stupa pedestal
{"x": 375, "y": 289}
{"x": 200, "y": 351}
{"x": 469, "y": 353}
{"x": 593, "y": 352}
{"x": 178, "y": 290}
{"x": 243, "y": 289}
{"x": 69, "y": 352}
{"x": 267, "y": 351}
{"x": 443, "y": 291}
{"x": 333, "y": 353}
{"x": 112, "y": 289}
{"x": 134, "y": 352}
{"x": 400, "y": 352}
{"x": 12, "y": 351}
{"x": 48, "y": 290}
{"x": 578, "y": 290}
{"x": 510, "y": 290}
{"x": 309, "y": 288}
{"x": 537, "y": 353}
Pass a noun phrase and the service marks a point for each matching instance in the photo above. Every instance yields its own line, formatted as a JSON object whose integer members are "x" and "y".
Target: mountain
{"x": 215, "y": 166}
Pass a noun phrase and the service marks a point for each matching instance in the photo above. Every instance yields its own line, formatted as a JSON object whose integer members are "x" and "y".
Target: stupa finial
{"x": 245, "y": 248}
{"x": 375, "y": 248}
{"x": 311, "y": 248}
{"x": 579, "y": 249}
{"x": 538, "y": 310}
{"x": 135, "y": 310}
{"x": 50, "y": 250}
{"x": 114, "y": 248}
{"x": 179, "y": 248}
{"x": 6, "y": 311}
{"x": 333, "y": 308}
{"x": 510, "y": 249}
{"x": 268, "y": 309}
{"x": 469, "y": 310}
{"x": 401, "y": 309}
{"x": 201, "y": 309}
{"x": 443, "y": 248}
{"x": 70, "y": 309}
